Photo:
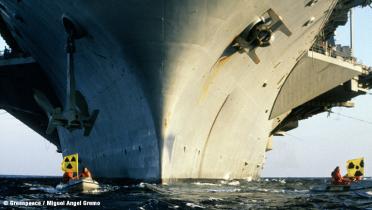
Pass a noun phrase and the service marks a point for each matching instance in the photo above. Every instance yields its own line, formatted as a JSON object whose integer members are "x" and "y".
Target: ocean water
{"x": 267, "y": 193}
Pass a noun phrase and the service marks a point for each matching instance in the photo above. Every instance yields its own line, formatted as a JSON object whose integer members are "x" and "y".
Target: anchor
{"x": 76, "y": 114}
{"x": 261, "y": 34}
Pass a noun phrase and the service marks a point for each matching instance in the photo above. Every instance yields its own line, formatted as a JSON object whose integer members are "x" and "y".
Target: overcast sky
{"x": 314, "y": 149}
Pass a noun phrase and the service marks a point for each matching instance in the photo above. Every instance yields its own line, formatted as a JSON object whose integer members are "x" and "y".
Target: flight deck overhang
{"x": 312, "y": 76}
{"x": 19, "y": 76}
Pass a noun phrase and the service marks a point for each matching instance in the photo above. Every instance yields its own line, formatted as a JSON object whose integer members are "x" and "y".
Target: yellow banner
{"x": 355, "y": 167}
{"x": 70, "y": 163}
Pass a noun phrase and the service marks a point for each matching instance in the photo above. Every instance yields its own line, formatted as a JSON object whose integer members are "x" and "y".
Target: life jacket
{"x": 86, "y": 174}
{"x": 67, "y": 176}
{"x": 336, "y": 177}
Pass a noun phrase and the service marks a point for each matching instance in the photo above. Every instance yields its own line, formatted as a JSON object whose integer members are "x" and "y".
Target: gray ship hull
{"x": 174, "y": 102}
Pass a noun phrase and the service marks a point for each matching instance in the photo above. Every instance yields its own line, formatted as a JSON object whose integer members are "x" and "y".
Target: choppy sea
{"x": 266, "y": 193}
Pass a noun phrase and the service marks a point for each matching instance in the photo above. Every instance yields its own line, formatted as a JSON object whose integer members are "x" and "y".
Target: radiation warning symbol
{"x": 355, "y": 167}
{"x": 70, "y": 163}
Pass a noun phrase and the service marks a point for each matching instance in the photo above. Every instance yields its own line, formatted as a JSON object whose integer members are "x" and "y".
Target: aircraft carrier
{"x": 167, "y": 90}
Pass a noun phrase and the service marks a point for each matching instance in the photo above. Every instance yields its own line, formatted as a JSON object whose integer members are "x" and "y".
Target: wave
{"x": 193, "y": 205}
{"x": 205, "y": 184}
{"x": 234, "y": 183}
{"x": 47, "y": 189}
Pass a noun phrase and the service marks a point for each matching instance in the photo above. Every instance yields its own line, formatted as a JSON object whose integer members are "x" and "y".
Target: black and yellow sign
{"x": 355, "y": 167}
{"x": 70, "y": 163}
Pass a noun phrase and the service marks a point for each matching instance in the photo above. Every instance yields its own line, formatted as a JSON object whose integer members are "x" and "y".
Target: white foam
{"x": 301, "y": 191}
{"x": 249, "y": 179}
{"x": 141, "y": 185}
{"x": 205, "y": 184}
{"x": 45, "y": 189}
{"x": 234, "y": 183}
{"x": 215, "y": 199}
{"x": 282, "y": 181}
{"x": 193, "y": 205}
{"x": 225, "y": 190}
